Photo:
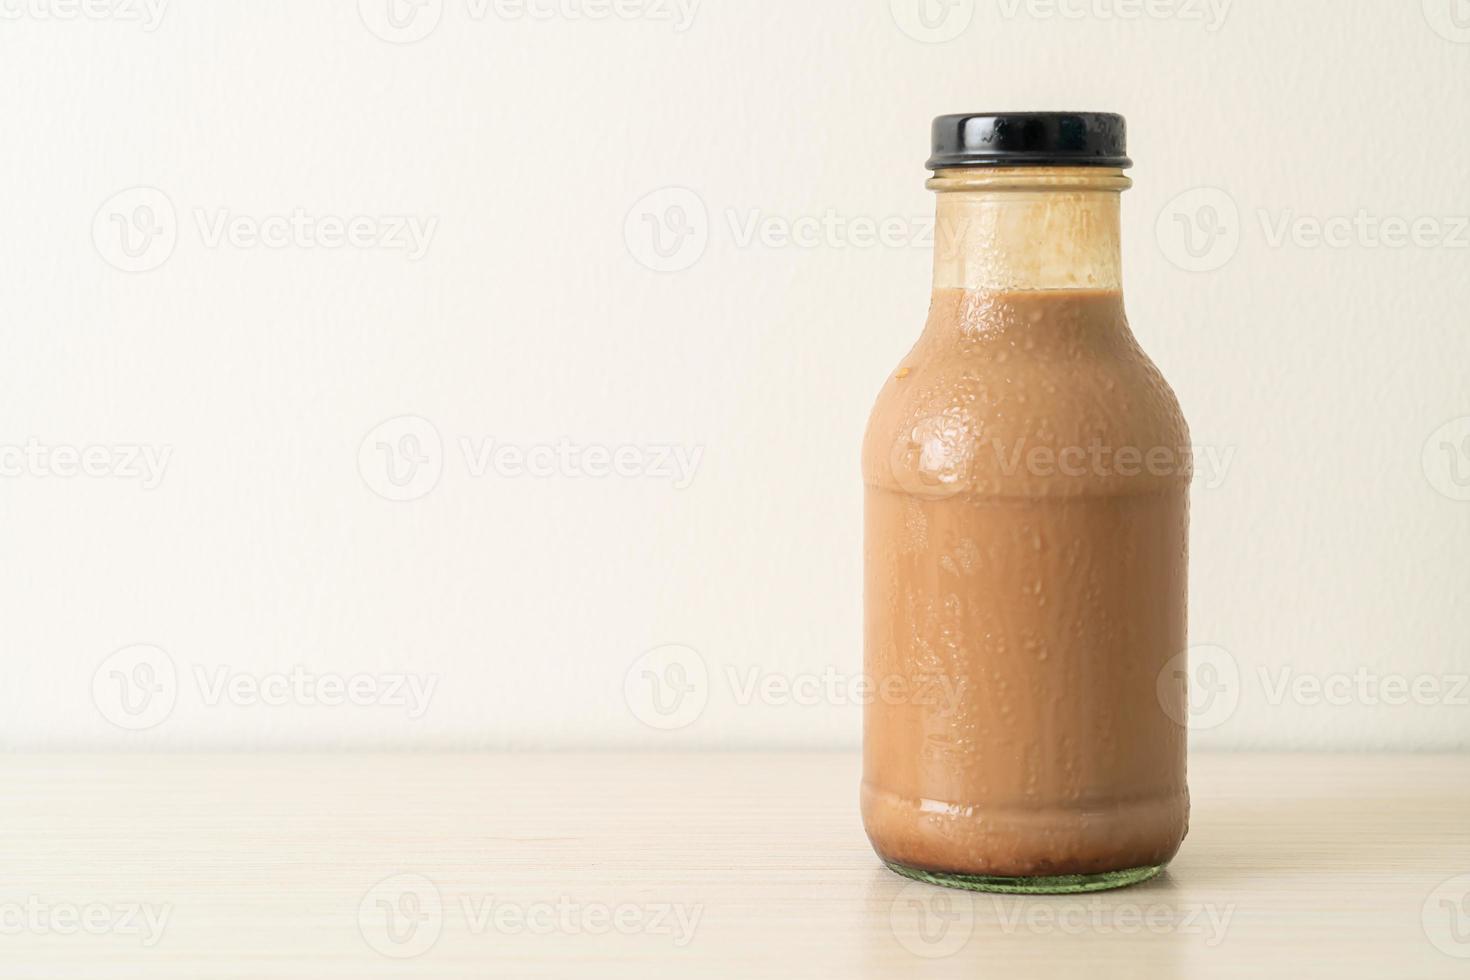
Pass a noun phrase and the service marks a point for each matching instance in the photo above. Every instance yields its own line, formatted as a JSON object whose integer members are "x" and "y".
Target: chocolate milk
{"x": 1027, "y": 472}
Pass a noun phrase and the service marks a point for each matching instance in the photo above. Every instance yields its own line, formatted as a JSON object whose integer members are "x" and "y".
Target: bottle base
{"x": 1040, "y": 885}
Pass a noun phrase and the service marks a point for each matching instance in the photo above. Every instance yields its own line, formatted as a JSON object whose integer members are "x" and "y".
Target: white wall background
{"x": 1335, "y": 544}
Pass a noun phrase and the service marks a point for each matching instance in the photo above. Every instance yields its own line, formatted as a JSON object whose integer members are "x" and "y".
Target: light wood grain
{"x": 265, "y": 866}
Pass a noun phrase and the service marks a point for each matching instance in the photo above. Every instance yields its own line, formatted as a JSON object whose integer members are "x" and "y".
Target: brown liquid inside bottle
{"x": 1026, "y": 550}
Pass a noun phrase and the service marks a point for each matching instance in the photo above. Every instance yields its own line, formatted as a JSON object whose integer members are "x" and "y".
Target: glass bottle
{"x": 1027, "y": 472}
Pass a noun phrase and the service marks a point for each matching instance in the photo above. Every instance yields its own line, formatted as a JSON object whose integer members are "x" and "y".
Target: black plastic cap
{"x": 1030, "y": 139}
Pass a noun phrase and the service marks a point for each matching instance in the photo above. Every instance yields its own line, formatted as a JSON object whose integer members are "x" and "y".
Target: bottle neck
{"x": 1028, "y": 228}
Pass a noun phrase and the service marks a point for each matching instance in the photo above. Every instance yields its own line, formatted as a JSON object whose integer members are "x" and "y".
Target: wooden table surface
{"x": 527, "y": 865}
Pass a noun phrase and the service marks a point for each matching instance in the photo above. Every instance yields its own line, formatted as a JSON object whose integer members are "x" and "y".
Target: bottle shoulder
{"x": 999, "y": 415}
